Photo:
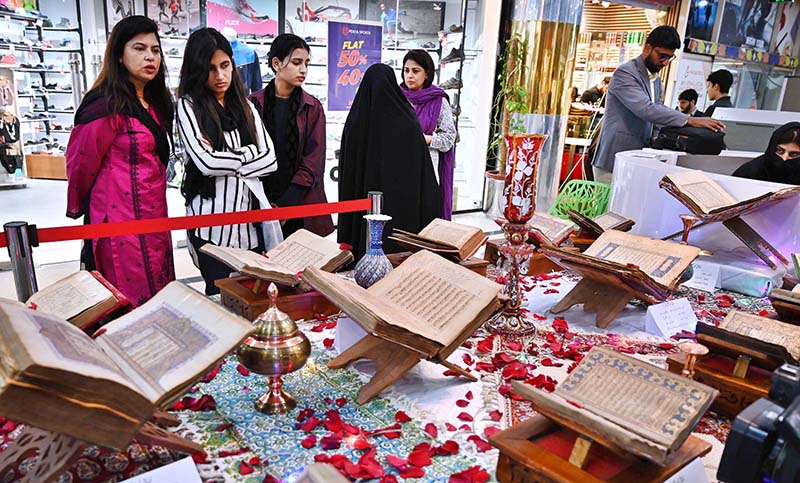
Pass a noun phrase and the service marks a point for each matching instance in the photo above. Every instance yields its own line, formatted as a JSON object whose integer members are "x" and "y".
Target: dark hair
{"x": 283, "y": 46}
{"x": 665, "y": 36}
{"x": 789, "y": 136}
{"x": 606, "y": 80}
{"x": 113, "y": 80}
{"x": 200, "y": 48}
{"x": 423, "y": 58}
{"x": 723, "y": 78}
{"x": 688, "y": 95}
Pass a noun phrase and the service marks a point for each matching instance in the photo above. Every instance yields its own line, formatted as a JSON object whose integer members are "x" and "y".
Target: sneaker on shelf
{"x": 428, "y": 45}
{"x": 51, "y": 86}
{"x": 456, "y": 111}
{"x": 56, "y": 127}
{"x": 455, "y": 55}
{"x": 30, "y": 115}
{"x": 65, "y": 86}
{"x": 173, "y": 51}
{"x": 453, "y": 83}
{"x": 390, "y": 62}
{"x": 64, "y": 23}
{"x": 455, "y": 28}
{"x": 47, "y": 23}
{"x": 64, "y": 43}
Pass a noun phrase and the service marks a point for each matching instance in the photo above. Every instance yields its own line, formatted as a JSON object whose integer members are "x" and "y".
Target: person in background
{"x": 781, "y": 161}
{"x": 117, "y": 159}
{"x": 718, "y": 85}
{"x": 595, "y": 94}
{"x": 432, "y": 106}
{"x": 383, "y": 149}
{"x": 634, "y": 103}
{"x": 296, "y": 122}
{"x": 226, "y": 149}
{"x": 687, "y": 103}
{"x": 574, "y": 95}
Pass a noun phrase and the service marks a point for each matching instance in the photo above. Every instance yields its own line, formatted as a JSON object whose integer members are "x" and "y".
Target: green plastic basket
{"x": 589, "y": 198}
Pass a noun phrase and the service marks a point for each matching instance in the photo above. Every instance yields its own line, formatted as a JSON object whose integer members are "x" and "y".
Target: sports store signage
{"x": 352, "y": 48}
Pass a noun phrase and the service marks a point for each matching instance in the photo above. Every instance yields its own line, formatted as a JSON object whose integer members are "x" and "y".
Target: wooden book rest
{"x": 477, "y": 265}
{"x": 741, "y": 374}
{"x": 248, "y": 297}
{"x": 58, "y": 451}
{"x": 392, "y": 361}
{"x": 600, "y": 292}
{"x": 540, "y": 449}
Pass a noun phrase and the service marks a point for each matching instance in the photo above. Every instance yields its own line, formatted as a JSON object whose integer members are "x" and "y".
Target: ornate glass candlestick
{"x": 519, "y": 197}
{"x": 276, "y": 348}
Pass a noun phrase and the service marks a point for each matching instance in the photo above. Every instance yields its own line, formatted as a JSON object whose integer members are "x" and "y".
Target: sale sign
{"x": 352, "y": 48}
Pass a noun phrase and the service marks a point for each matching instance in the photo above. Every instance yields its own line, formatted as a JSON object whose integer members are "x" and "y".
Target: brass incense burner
{"x": 276, "y": 348}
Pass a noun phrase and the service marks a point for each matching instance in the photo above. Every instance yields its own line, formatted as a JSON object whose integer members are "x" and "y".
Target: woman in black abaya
{"x": 781, "y": 161}
{"x": 383, "y": 149}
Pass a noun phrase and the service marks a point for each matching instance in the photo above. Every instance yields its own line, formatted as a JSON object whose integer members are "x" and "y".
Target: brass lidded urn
{"x": 276, "y": 348}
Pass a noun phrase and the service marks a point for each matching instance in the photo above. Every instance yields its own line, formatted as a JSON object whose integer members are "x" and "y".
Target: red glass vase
{"x": 522, "y": 164}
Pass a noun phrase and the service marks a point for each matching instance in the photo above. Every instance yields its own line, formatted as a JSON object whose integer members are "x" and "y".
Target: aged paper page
{"x": 607, "y": 220}
{"x": 172, "y": 337}
{"x": 662, "y": 260}
{"x": 705, "y": 192}
{"x": 650, "y": 401}
{"x": 553, "y": 227}
{"x": 448, "y": 233}
{"x": 442, "y": 296}
{"x": 70, "y": 296}
{"x": 301, "y": 250}
{"x": 238, "y": 259}
{"x": 767, "y": 330}
{"x": 51, "y": 342}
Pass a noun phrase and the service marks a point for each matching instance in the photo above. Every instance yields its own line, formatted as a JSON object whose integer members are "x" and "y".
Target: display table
{"x": 246, "y": 446}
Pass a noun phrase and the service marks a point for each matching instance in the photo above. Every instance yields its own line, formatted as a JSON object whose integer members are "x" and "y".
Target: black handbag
{"x": 693, "y": 140}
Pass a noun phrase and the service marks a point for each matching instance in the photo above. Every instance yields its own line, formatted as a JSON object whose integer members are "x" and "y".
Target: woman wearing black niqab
{"x": 781, "y": 162}
{"x": 383, "y": 149}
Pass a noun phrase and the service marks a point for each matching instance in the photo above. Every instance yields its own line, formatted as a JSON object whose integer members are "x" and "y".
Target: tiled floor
{"x": 43, "y": 203}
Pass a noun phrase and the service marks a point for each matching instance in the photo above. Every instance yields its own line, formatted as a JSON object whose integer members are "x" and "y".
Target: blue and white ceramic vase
{"x": 374, "y": 265}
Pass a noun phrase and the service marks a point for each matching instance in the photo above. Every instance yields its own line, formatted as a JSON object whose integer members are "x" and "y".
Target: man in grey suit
{"x": 634, "y": 103}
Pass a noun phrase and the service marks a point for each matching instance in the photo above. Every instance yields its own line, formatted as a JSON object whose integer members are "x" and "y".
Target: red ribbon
{"x": 157, "y": 225}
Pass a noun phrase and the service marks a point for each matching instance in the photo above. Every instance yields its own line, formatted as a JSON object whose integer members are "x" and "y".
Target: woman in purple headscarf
{"x": 436, "y": 118}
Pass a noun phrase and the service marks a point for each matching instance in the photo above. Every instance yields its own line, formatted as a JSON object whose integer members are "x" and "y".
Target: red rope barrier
{"x": 141, "y": 227}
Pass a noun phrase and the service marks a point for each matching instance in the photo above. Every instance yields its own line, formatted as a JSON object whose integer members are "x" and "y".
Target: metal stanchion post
{"x": 75, "y": 70}
{"x": 19, "y": 242}
{"x": 375, "y": 208}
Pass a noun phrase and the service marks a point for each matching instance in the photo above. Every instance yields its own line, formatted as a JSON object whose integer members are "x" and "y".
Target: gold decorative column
{"x": 549, "y": 28}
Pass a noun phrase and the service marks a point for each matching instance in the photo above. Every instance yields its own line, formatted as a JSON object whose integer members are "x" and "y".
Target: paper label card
{"x": 705, "y": 277}
{"x": 694, "y": 472}
{"x": 669, "y": 318}
{"x": 181, "y": 471}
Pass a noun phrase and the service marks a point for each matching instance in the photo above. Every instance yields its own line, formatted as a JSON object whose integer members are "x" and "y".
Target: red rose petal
{"x": 480, "y": 444}
{"x": 496, "y": 415}
{"x": 310, "y": 424}
{"x": 270, "y": 479}
{"x": 468, "y": 395}
{"x": 449, "y": 447}
{"x": 490, "y": 431}
{"x": 225, "y": 454}
{"x": 420, "y": 458}
{"x": 450, "y": 427}
{"x": 465, "y": 417}
{"x": 465, "y": 427}
{"x": 242, "y": 370}
{"x": 485, "y": 366}
{"x": 245, "y": 469}
{"x": 486, "y": 345}
{"x": 388, "y": 479}
{"x": 309, "y": 441}
{"x": 341, "y": 401}
{"x": 432, "y": 430}
{"x": 412, "y": 472}
{"x": 475, "y": 474}
{"x": 462, "y": 403}
{"x": 212, "y": 374}
{"x": 397, "y": 462}
{"x": 548, "y": 362}
{"x": 327, "y": 342}
{"x": 514, "y": 346}
{"x": 401, "y": 417}
{"x": 330, "y": 441}
{"x": 515, "y": 370}
{"x": 467, "y": 359}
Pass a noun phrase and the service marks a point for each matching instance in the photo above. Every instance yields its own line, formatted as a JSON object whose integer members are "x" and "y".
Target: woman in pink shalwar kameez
{"x": 117, "y": 157}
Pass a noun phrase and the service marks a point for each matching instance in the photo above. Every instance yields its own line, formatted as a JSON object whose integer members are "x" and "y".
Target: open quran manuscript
{"x": 549, "y": 229}
{"x": 640, "y": 407}
{"x": 449, "y": 239}
{"x": 82, "y": 298}
{"x": 602, "y": 223}
{"x": 644, "y": 262}
{"x": 299, "y": 251}
{"x": 427, "y": 304}
{"x": 769, "y": 336}
{"x": 101, "y": 390}
{"x": 705, "y": 196}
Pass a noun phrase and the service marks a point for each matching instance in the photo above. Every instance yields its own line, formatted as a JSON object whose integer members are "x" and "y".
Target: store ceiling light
{"x": 605, "y": 4}
{"x": 702, "y": 3}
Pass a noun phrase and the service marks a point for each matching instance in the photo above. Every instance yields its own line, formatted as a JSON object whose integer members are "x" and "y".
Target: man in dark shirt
{"x": 718, "y": 85}
{"x": 687, "y": 103}
{"x": 594, "y": 94}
